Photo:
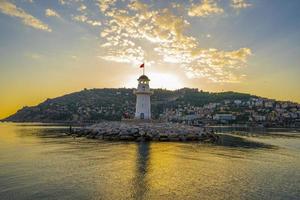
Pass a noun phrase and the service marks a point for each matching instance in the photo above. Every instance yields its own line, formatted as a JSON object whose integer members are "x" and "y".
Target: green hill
{"x": 111, "y": 104}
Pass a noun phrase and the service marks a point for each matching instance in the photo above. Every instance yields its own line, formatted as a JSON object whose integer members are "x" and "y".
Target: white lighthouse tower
{"x": 143, "y": 104}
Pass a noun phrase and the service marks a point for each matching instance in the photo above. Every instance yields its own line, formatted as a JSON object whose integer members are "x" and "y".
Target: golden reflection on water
{"x": 171, "y": 171}
{"x": 172, "y": 175}
{"x": 33, "y": 163}
{"x": 14, "y": 137}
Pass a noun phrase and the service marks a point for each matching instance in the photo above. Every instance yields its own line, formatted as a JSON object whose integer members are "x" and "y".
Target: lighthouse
{"x": 143, "y": 103}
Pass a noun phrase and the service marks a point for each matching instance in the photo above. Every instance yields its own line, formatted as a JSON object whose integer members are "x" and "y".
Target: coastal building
{"x": 226, "y": 102}
{"x": 224, "y": 117}
{"x": 237, "y": 102}
{"x": 259, "y": 118}
{"x": 143, "y": 103}
{"x": 269, "y": 104}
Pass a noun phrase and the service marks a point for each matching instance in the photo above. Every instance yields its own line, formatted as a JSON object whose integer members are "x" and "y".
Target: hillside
{"x": 112, "y": 104}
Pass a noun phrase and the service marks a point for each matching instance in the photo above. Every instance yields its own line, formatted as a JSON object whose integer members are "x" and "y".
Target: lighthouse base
{"x": 142, "y": 116}
{"x": 143, "y": 107}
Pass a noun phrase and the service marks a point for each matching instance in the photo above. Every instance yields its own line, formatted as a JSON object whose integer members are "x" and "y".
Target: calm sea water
{"x": 36, "y": 162}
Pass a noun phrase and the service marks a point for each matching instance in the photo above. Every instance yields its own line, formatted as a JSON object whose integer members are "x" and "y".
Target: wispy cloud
{"x": 104, "y": 5}
{"x": 217, "y": 65}
{"x": 82, "y": 8}
{"x": 63, "y": 2}
{"x": 11, "y": 9}
{"x": 51, "y": 13}
{"x": 238, "y": 4}
{"x": 205, "y": 8}
{"x": 85, "y": 19}
{"x": 34, "y": 56}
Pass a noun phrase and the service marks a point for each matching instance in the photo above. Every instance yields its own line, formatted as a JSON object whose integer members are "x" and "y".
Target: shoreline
{"x": 84, "y": 124}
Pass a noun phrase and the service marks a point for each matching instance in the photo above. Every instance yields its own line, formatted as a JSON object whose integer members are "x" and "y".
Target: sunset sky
{"x": 52, "y": 47}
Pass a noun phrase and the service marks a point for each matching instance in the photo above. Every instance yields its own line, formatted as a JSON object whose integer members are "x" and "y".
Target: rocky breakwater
{"x": 139, "y": 131}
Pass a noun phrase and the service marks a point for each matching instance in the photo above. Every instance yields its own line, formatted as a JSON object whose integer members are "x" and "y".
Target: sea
{"x": 38, "y": 161}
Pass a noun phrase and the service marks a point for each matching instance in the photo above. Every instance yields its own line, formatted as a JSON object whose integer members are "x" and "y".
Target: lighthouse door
{"x": 142, "y": 116}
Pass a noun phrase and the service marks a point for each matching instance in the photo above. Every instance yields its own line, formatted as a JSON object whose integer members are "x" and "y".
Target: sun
{"x": 159, "y": 80}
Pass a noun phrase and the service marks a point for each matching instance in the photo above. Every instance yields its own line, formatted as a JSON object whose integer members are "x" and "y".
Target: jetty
{"x": 143, "y": 131}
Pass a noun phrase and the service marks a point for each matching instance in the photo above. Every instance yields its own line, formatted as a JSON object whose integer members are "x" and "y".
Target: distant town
{"x": 253, "y": 112}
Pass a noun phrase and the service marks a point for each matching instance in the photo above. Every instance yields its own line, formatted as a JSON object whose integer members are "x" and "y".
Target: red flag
{"x": 142, "y": 65}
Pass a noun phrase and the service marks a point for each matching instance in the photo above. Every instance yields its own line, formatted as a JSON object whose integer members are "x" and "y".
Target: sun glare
{"x": 159, "y": 80}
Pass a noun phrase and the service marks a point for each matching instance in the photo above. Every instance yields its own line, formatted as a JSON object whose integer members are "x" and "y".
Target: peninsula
{"x": 186, "y": 105}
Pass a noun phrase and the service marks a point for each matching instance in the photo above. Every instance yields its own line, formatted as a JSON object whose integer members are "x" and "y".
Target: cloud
{"x": 82, "y": 8}
{"x": 34, "y": 56}
{"x": 238, "y": 4}
{"x": 138, "y": 6}
{"x": 93, "y": 22}
{"x": 126, "y": 55}
{"x": 63, "y": 2}
{"x": 217, "y": 65}
{"x": 104, "y": 5}
{"x": 11, "y": 9}
{"x": 80, "y": 18}
{"x": 124, "y": 30}
{"x": 85, "y": 19}
{"x": 51, "y": 13}
{"x": 204, "y": 9}
{"x": 74, "y": 57}
{"x": 176, "y": 5}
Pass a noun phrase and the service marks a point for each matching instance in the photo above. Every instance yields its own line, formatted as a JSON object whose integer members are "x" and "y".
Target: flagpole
{"x": 144, "y": 70}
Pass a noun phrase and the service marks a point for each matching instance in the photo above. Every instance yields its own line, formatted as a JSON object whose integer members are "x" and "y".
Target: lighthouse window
{"x": 143, "y": 87}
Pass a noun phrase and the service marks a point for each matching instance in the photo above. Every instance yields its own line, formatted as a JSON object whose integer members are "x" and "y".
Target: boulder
{"x": 191, "y": 137}
{"x": 163, "y": 139}
{"x": 142, "y": 132}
